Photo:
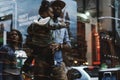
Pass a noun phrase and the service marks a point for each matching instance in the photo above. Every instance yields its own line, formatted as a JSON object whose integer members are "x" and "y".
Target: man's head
{"x": 57, "y": 6}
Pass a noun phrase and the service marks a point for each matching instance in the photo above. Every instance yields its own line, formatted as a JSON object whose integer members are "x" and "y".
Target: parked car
{"x": 109, "y": 74}
{"x": 83, "y": 73}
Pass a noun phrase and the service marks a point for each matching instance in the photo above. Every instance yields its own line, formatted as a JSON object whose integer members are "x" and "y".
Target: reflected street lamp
{"x": 108, "y": 17}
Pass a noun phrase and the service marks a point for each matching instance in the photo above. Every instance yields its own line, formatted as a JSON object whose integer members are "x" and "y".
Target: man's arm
{"x": 67, "y": 42}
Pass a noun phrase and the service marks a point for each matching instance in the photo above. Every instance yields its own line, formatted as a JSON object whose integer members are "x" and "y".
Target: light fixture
{"x": 75, "y": 61}
{"x": 87, "y": 13}
{"x": 82, "y": 15}
{"x": 108, "y": 17}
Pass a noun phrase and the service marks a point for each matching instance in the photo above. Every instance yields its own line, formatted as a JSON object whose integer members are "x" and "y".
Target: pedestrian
{"x": 12, "y": 56}
{"x": 61, "y": 41}
{"x": 38, "y": 65}
{"x": 41, "y": 40}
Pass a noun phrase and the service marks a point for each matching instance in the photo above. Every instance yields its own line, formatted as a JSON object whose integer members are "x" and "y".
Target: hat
{"x": 58, "y": 3}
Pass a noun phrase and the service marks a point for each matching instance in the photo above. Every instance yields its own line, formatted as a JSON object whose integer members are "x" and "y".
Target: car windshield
{"x": 93, "y": 72}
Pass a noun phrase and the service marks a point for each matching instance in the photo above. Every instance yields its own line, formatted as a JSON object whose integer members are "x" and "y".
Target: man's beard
{"x": 56, "y": 14}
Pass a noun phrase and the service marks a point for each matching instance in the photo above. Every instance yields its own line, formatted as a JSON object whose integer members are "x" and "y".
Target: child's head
{"x": 45, "y": 10}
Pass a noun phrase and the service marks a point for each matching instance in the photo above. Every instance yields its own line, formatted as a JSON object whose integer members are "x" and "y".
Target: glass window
{"x": 93, "y": 72}
{"x": 73, "y": 74}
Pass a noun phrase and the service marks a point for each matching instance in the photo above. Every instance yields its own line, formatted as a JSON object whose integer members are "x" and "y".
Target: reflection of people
{"x": 47, "y": 17}
{"x": 40, "y": 61}
{"x": 46, "y": 47}
{"x": 61, "y": 41}
{"x": 45, "y": 12}
{"x": 12, "y": 57}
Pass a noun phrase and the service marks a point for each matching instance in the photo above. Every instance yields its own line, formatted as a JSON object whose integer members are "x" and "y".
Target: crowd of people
{"x": 47, "y": 38}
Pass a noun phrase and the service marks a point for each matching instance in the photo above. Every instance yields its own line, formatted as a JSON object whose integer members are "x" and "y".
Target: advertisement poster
{"x": 25, "y": 11}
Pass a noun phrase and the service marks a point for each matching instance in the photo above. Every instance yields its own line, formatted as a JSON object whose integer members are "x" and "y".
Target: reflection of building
{"x": 8, "y": 7}
{"x": 1, "y": 33}
{"x": 5, "y": 26}
{"x": 82, "y": 44}
{"x": 107, "y": 48}
{"x": 87, "y": 27}
{"x": 97, "y": 8}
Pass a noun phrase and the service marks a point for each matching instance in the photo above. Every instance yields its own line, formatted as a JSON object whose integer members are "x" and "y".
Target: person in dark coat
{"x": 46, "y": 50}
{"x": 38, "y": 65}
